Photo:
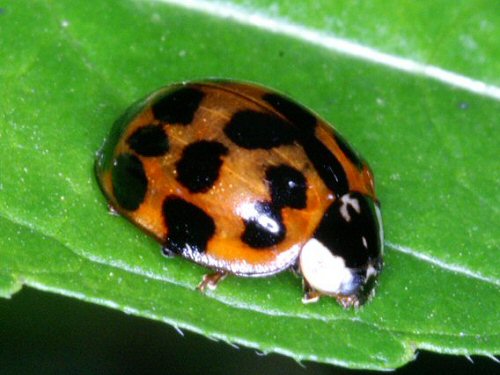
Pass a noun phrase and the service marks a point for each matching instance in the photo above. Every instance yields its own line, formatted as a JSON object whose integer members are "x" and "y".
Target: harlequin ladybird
{"x": 242, "y": 180}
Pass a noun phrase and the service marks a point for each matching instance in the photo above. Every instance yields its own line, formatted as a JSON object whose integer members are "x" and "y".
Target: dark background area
{"x": 43, "y": 333}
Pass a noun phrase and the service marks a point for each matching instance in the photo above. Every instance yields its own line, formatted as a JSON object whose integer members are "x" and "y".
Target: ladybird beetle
{"x": 244, "y": 181}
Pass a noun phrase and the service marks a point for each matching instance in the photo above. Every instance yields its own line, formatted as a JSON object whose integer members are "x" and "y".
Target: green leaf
{"x": 68, "y": 70}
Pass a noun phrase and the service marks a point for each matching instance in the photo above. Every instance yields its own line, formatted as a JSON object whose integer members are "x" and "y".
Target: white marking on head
{"x": 348, "y": 201}
{"x": 322, "y": 270}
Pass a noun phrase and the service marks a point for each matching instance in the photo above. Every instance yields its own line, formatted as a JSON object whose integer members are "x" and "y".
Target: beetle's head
{"x": 344, "y": 256}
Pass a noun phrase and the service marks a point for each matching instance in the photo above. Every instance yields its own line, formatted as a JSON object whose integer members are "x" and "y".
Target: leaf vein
{"x": 340, "y": 45}
{"x": 449, "y": 267}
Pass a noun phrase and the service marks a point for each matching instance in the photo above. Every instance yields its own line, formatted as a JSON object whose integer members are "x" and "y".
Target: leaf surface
{"x": 69, "y": 70}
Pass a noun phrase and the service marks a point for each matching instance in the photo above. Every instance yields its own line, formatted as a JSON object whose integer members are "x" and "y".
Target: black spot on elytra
{"x": 198, "y": 168}
{"x": 329, "y": 168}
{"x": 348, "y": 151}
{"x": 129, "y": 180}
{"x": 257, "y": 130}
{"x": 355, "y": 240}
{"x": 264, "y": 226}
{"x": 293, "y": 112}
{"x": 189, "y": 227}
{"x": 287, "y": 186}
{"x": 326, "y": 164}
{"x": 149, "y": 140}
{"x": 178, "y": 107}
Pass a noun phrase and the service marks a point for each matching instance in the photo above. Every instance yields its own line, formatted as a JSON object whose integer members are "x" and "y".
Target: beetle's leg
{"x": 112, "y": 211}
{"x": 211, "y": 280}
{"x": 348, "y": 301}
{"x": 310, "y": 295}
{"x": 295, "y": 269}
{"x": 167, "y": 252}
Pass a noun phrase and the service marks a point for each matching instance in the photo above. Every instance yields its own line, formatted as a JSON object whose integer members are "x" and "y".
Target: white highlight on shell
{"x": 248, "y": 212}
{"x": 365, "y": 243}
{"x": 268, "y": 223}
{"x": 322, "y": 270}
{"x": 344, "y": 209}
{"x": 380, "y": 229}
{"x": 282, "y": 261}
